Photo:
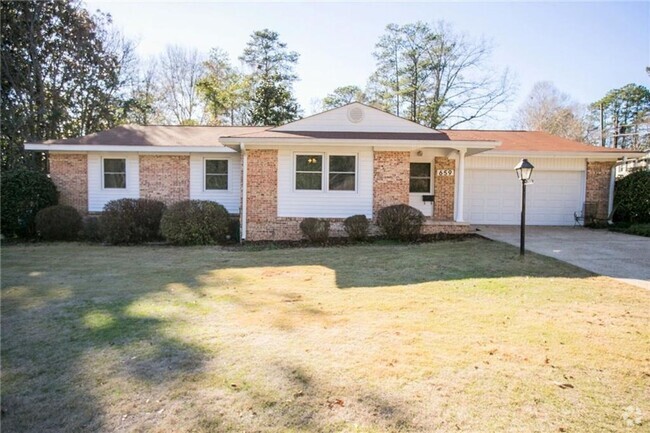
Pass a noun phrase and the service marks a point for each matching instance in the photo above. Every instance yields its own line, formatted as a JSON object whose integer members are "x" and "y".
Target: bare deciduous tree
{"x": 180, "y": 71}
{"x": 550, "y": 110}
{"x": 440, "y": 77}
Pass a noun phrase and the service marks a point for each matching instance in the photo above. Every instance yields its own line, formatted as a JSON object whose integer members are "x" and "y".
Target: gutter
{"x": 244, "y": 190}
{"x": 126, "y": 148}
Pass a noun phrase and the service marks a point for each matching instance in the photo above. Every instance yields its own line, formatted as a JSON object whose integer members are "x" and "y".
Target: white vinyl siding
{"x": 229, "y": 198}
{"x": 493, "y": 192}
{"x": 98, "y": 196}
{"x": 324, "y": 203}
{"x": 337, "y": 120}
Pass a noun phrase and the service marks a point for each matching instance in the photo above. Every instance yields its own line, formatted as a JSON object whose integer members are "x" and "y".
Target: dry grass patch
{"x": 442, "y": 337}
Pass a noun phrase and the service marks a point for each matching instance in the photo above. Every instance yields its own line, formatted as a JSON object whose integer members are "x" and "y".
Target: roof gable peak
{"x": 354, "y": 117}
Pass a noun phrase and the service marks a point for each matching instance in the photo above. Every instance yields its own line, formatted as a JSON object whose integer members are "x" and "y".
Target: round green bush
{"x": 195, "y": 222}
{"x": 131, "y": 221}
{"x": 58, "y": 223}
{"x": 632, "y": 198}
{"x": 24, "y": 193}
{"x": 356, "y": 227}
{"x": 315, "y": 230}
{"x": 400, "y": 222}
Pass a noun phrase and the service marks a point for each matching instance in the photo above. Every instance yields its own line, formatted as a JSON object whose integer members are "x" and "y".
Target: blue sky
{"x": 585, "y": 49}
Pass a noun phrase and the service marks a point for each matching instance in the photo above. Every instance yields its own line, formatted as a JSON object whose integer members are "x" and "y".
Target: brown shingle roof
{"x": 342, "y": 135}
{"x": 156, "y": 135}
{"x": 530, "y": 141}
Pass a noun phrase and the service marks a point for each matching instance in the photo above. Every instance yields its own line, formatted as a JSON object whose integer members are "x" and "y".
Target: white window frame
{"x": 356, "y": 173}
{"x": 322, "y": 177}
{"x": 205, "y": 175}
{"x": 325, "y": 173}
{"x": 126, "y": 173}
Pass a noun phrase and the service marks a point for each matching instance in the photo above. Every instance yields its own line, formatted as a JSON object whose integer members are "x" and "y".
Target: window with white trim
{"x": 342, "y": 172}
{"x": 420, "y": 177}
{"x": 114, "y": 173}
{"x": 309, "y": 172}
{"x": 216, "y": 174}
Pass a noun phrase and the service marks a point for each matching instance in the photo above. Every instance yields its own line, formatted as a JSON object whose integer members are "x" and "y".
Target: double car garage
{"x": 493, "y": 193}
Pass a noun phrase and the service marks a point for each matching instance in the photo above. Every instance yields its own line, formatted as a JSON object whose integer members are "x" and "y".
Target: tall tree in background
{"x": 63, "y": 72}
{"x": 181, "y": 69}
{"x": 143, "y": 105}
{"x": 272, "y": 75}
{"x": 441, "y": 75}
{"x": 226, "y": 90}
{"x": 626, "y": 116}
{"x": 342, "y": 96}
{"x": 550, "y": 110}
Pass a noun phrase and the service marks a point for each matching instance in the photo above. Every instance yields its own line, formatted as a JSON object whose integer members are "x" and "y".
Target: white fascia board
{"x": 608, "y": 156}
{"x": 138, "y": 149}
{"x": 377, "y": 144}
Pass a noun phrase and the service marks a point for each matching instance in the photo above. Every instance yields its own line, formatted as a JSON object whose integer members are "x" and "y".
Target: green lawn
{"x": 446, "y": 337}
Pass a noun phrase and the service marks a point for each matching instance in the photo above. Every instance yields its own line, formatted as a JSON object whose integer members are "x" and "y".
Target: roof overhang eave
{"x": 125, "y": 148}
{"x": 378, "y": 144}
{"x": 571, "y": 154}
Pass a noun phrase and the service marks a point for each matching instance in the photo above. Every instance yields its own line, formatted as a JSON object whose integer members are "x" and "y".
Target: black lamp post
{"x": 524, "y": 171}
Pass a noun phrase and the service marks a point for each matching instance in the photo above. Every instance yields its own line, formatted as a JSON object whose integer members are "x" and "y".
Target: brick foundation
{"x": 390, "y": 179}
{"x": 597, "y": 188}
{"x": 165, "y": 177}
{"x": 444, "y": 190}
{"x": 69, "y": 172}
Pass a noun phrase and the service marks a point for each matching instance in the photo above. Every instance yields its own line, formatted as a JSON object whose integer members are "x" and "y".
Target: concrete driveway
{"x": 620, "y": 256}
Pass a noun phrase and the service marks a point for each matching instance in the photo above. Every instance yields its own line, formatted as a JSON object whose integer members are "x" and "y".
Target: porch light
{"x": 524, "y": 171}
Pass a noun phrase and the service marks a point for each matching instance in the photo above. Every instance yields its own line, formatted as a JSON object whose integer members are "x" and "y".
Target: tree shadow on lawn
{"x": 59, "y": 306}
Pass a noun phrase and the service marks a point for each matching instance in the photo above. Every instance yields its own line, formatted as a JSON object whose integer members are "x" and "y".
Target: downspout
{"x": 612, "y": 184}
{"x": 244, "y": 188}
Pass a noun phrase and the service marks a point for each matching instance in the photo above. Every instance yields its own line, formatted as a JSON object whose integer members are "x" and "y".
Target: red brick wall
{"x": 262, "y": 196}
{"x": 597, "y": 188}
{"x": 444, "y": 190}
{"x": 165, "y": 177}
{"x": 69, "y": 172}
{"x": 390, "y": 179}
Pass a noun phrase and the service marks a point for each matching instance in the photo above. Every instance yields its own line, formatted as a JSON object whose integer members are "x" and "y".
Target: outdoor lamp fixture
{"x": 524, "y": 171}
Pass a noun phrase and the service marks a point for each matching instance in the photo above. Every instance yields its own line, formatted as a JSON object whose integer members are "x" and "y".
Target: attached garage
{"x": 493, "y": 193}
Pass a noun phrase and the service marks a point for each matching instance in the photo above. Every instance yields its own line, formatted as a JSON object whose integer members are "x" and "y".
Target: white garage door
{"x": 494, "y": 197}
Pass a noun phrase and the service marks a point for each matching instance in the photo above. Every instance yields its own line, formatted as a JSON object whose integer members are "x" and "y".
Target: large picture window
{"x": 114, "y": 173}
{"x": 342, "y": 173}
{"x": 309, "y": 172}
{"x": 216, "y": 174}
{"x": 420, "y": 177}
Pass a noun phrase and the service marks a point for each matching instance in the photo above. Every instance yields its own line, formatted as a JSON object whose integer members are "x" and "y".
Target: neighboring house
{"x": 629, "y": 165}
{"x": 351, "y": 160}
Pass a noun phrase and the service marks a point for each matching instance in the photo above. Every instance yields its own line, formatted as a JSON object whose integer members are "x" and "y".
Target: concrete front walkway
{"x": 616, "y": 255}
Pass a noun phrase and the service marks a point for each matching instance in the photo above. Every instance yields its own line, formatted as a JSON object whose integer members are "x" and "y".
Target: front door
{"x": 421, "y": 187}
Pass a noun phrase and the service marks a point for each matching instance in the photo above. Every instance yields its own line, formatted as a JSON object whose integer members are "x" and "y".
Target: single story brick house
{"x": 350, "y": 160}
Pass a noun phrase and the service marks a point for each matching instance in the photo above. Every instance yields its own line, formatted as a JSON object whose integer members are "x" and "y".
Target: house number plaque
{"x": 447, "y": 172}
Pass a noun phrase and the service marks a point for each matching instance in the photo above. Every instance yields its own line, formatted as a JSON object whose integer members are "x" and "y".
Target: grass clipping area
{"x": 446, "y": 337}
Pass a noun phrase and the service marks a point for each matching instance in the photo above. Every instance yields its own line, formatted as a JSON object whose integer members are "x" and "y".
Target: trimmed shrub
{"x": 632, "y": 198}
{"x": 131, "y": 221}
{"x": 315, "y": 229}
{"x": 400, "y": 222}
{"x": 24, "y": 193}
{"x": 195, "y": 222}
{"x": 356, "y": 227}
{"x": 58, "y": 223}
{"x": 91, "y": 231}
